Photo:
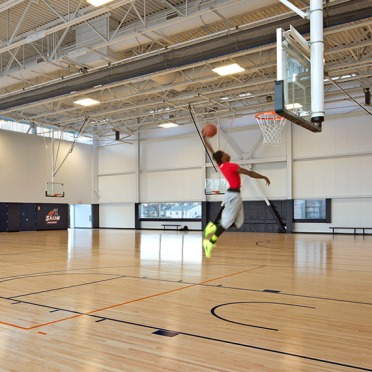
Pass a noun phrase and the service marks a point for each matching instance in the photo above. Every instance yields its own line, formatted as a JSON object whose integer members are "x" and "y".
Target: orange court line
{"x": 139, "y": 299}
{"x": 166, "y": 292}
{"x": 54, "y": 321}
{"x": 13, "y": 325}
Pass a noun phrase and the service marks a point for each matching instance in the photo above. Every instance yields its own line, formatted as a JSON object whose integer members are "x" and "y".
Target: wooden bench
{"x": 170, "y": 225}
{"x": 350, "y": 228}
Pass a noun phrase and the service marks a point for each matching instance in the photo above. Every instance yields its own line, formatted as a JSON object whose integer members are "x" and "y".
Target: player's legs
{"x": 239, "y": 220}
{"x": 232, "y": 213}
{"x": 212, "y": 225}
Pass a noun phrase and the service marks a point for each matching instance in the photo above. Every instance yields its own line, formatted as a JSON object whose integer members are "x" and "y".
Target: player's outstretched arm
{"x": 207, "y": 144}
{"x": 254, "y": 174}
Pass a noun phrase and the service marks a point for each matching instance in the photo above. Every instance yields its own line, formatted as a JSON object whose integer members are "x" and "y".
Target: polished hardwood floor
{"x": 124, "y": 300}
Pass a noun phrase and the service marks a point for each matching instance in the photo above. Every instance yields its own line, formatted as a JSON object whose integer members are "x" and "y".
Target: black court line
{"x": 52, "y": 308}
{"x": 169, "y": 331}
{"x": 221, "y": 286}
{"x": 293, "y": 294}
{"x": 262, "y": 242}
{"x": 101, "y": 318}
{"x": 68, "y": 271}
{"x": 214, "y": 313}
{"x": 70, "y": 286}
{"x": 278, "y": 292}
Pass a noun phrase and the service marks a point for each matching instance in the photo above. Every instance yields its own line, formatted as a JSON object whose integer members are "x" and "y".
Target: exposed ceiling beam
{"x": 220, "y": 46}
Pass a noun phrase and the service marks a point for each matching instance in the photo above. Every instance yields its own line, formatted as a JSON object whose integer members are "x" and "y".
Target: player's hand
{"x": 267, "y": 181}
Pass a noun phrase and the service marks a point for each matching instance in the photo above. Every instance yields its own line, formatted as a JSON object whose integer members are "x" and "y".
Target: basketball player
{"x": 232, "y": 212}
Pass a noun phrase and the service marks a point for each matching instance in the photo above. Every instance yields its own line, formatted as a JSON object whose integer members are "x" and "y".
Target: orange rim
{"x": 267, "y": 114}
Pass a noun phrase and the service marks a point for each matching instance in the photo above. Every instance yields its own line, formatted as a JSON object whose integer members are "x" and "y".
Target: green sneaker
{"x": 208, "y": 247}
{"x": 209, "y": 229}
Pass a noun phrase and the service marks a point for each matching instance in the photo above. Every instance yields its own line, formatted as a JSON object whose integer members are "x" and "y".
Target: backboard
{"x": 54, "y": 190}
{"x": 215, "y": 186}
{"x": 293, "y": 97}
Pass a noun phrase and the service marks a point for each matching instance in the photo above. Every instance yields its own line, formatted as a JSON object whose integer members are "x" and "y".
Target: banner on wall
{"x": 52, "y": 216}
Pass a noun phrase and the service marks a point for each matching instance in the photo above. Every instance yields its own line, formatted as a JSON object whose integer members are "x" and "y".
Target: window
{"x": 190, "y": 210}
{"x": 312, "y": 210}
{"x": 14, "y": 126}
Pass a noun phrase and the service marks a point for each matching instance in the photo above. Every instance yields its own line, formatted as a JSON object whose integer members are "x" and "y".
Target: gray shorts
{"x": 233, "y": 213}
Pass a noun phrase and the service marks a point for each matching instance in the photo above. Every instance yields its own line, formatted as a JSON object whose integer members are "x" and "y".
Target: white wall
{"x": 119, "y": 215}
{"x": 117, "y": 185}
{"x": 26, "y": 167}
{"x": 172, "y": 169}
{"x": 336, "y": 164}
{"x": 159, "y": 170}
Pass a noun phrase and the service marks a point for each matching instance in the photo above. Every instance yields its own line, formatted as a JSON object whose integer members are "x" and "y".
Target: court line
{"x": 278, "y": 352}
{"x": 90, "y": 313}
{"x": 249, "y": 346}
{"x": 214, "y": 312}
{"x": 69, "y": 271}
{"x": 13, "y": 325}
{"x": 142, "y": 298}
{"x": 77, "y": 313}
{"x": 71, "y": 286}
{"x": 235, "y": 343}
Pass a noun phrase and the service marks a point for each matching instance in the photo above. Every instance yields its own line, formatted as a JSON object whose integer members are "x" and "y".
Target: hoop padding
{"x": 271, "y": 125}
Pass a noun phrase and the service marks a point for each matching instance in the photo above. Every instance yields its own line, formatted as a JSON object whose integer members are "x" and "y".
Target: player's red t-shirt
{"x": 230, "y": 171}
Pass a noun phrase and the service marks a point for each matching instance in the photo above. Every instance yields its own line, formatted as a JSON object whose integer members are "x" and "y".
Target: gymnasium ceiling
{"x": 146, "y": 61}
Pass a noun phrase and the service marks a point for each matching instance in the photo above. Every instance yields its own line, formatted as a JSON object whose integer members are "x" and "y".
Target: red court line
{"x": 136, "y": 300}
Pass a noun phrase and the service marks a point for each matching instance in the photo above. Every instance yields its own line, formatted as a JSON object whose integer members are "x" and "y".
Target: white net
{"x": 271, "y": 125}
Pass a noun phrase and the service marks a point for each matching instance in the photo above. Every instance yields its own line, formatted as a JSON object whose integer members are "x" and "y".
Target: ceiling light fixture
{"x": 168, "y": 125}
{"x": 98, "y": 2}
{"x": 228, "y": 69}
{"x": 87, "y": 102}
{"x": 245, "y": 94}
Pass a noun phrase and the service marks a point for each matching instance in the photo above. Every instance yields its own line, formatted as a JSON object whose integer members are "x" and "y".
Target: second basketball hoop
{"x": 271, "y": 125}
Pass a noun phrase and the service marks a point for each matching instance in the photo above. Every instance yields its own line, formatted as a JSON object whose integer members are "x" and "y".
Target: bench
{"x": 350, "y": 228}
{"x": 170, "y": 225}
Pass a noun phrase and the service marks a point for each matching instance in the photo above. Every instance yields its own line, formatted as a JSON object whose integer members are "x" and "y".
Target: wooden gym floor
{"x": 124, "y": 300}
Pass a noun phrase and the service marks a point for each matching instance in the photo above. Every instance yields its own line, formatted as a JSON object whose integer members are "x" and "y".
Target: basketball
{"x": 209, "y": 130}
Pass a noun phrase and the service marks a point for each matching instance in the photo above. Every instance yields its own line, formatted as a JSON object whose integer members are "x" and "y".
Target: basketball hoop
{"x": 271, "y": 125}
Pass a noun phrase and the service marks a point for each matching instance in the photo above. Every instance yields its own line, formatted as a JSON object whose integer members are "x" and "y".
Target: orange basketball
{"x": 209, "y": 130}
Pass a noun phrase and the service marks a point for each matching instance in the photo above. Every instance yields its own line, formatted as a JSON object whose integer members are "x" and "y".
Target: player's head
{"x": 221, "y": 156}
